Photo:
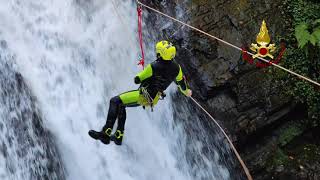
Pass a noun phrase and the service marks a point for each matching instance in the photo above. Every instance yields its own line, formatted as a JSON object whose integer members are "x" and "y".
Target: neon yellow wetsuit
{"x": 154, "y": 79}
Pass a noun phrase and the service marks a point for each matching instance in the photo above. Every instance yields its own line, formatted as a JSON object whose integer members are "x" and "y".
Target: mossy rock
{"x": 289, "y": 134}
{"x": 278, "y": 158}
{"x": 307, "y": 154}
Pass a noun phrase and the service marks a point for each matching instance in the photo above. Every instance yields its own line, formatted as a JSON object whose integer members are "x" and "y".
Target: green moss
{"x": 304, "y": 60}
{"x": 278, "y": 158}
{"x": 306, "y": 154}
{"x": 239, "y": 6}
{"x": 288, "y": 134}
{"x": 199, "y": 2}
{"x": 300, "y": 156}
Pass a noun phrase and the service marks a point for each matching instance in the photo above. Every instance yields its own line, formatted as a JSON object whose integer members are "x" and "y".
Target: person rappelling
{"x": 153, "y": 80}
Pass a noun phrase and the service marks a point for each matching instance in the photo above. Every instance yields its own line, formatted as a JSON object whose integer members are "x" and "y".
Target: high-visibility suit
{"x": 153, "y": 80}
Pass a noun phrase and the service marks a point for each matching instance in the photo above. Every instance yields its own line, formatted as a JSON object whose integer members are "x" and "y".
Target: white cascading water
{"x": 75, "y": 55}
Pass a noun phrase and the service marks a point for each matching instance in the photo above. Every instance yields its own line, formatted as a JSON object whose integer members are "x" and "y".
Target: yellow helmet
{"x": 166, "y": 50}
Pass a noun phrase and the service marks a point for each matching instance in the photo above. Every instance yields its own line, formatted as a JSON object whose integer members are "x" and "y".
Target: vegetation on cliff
{"x": 303, "y": 55}
{"x": 298, "y": 148}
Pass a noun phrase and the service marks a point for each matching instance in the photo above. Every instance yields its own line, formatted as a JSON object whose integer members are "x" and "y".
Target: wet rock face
{"x": 237, "y": 22}
{"x": 27, "y": 149}
{"x": 244, "y": 98}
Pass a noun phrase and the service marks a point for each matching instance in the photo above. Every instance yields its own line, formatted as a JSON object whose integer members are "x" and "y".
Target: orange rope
{"x": 224, "y": 133}
{"x": 230, "y": 142}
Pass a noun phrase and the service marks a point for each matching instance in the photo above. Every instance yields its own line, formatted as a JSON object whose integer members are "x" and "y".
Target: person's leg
{"x": 116, "y": 110}
{"x": 128, "y": 99}
{"x": 105, "y": 134}
{"x": 118, "y": 135}
{"x": 113, "y": 112}
{"x": 122, "y": 118}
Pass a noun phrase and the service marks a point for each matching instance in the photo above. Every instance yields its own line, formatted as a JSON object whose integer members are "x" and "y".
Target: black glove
{"x": 137, "y": 80}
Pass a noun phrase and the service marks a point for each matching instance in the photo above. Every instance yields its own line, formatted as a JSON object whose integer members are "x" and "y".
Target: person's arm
{"x": 182, "y": 83}
{"x": 145, "y": 74}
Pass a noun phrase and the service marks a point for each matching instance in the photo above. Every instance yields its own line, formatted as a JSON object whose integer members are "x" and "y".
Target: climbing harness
{"x": 227, "y": 43}
{"x": 147, "y": 101}
{"x": 146, "y": 96}
{"x": 228, "y": 139}
{"x": 150, "y": 101}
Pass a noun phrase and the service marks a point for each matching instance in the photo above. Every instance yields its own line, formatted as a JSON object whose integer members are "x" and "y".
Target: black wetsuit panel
{"x": 163, "y": 74}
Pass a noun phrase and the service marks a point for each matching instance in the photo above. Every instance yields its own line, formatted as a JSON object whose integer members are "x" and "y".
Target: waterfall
{"x": 27, "y": 150}
{"x": 61, "y": 62}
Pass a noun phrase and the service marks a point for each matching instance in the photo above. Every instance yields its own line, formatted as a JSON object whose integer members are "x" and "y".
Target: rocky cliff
{"x": 248, "y": 101}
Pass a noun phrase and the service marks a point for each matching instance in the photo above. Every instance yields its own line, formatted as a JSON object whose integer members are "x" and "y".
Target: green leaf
{"x": 316, "y": 22}
{"x": 316, "y": 34}
{"x": 302, "y": 34}
{"x": 313, "y": 39}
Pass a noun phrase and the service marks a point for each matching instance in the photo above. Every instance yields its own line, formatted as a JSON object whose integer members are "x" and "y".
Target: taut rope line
{"x": 229, "y": 44}
{"x": 224, "y": 133}
{"x": 230, "y": 142}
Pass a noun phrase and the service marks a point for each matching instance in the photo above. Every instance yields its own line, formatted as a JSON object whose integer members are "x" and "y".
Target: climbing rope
{"x": 141, "y": 62}
{"x": 227, "y": 43}
{"x": 224, "y": 133}
{"x": 139, "y": 10}
{"x": 228, "y": 139}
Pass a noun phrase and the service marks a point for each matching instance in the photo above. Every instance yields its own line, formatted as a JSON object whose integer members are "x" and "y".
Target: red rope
{"x": 141, "y": 61}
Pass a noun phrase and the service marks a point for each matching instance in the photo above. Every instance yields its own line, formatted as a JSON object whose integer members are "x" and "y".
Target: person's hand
{"x": 137, "y": 80}
{"x": 188, "y": 93}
